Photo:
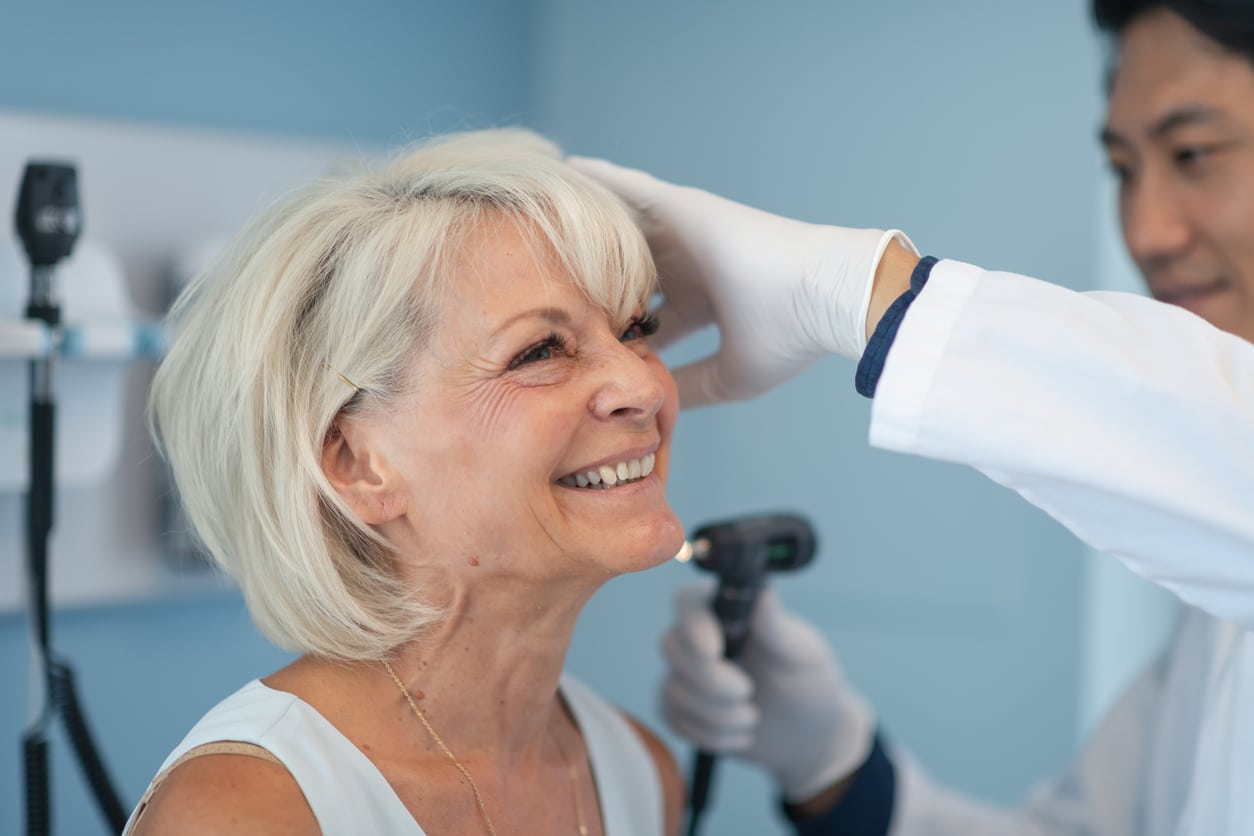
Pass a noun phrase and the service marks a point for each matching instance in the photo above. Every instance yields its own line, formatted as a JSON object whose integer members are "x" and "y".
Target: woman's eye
{"x": 640, "y": 327}
{"x": 546, "y": 349}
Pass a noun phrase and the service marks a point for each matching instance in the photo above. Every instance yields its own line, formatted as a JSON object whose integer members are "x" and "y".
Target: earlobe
{"x": 355, "y": 471}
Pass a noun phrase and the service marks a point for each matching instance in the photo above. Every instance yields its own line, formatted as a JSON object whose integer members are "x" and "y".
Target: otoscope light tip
{"x": 685, "y": 552}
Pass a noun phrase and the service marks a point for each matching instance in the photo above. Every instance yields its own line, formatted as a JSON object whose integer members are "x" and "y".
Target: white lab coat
{"x": 1132, "y": 423}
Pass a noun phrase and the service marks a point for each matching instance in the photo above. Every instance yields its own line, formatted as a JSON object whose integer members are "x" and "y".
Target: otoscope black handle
{"x": 733, "y": 605}
{"x": 702, "y": 780}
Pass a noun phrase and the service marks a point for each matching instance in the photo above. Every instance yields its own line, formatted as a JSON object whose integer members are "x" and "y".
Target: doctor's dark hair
{"x": 1229, "y": 23}
{"x": 318, "y": 311}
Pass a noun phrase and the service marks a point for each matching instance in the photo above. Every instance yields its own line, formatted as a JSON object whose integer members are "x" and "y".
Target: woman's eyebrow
{"x": 556, "y": 316}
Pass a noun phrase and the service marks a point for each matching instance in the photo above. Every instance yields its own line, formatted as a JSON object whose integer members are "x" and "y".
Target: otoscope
{"x": 741, "y": 552}
{"x": 48, "y": 222}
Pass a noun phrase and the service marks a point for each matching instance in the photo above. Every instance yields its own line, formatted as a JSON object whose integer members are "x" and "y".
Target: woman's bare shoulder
{"x": 227, "y": 793}
{"x": 674, "y": 791}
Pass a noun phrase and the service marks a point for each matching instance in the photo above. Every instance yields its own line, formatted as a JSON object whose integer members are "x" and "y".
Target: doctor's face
{"x": 1179, "y": 135}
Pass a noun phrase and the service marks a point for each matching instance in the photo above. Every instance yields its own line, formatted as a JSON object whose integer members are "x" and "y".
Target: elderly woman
{"x": 414, "y": 415}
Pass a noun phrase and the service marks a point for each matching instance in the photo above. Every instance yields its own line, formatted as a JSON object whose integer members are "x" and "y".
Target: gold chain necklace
{"x": 570, "y": 767}
{"x": 465, "y": 774}
{"x": 574, "y": 784}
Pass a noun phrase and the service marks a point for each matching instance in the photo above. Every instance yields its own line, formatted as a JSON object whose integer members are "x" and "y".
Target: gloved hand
{"x": 783, "y": 292}
{"x": 784, "y": 705}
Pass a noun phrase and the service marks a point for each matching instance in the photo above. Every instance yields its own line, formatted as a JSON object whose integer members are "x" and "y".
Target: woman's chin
{"x": 631, "y": 549}
{"x": 669, "y": 540}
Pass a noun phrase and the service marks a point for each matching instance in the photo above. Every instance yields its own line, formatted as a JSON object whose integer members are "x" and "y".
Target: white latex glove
{"x": 783, "y": 292}
{"x": 785, "y": 705}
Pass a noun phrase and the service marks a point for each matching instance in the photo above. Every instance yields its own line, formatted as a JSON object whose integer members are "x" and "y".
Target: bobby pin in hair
{"x": 340, "y": 375}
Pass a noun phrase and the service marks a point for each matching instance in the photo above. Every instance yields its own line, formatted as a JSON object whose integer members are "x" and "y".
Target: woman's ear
{"x": 357, "y": 471}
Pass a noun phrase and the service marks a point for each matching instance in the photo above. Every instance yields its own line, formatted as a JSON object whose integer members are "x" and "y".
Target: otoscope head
{"x": 741, "y": 552}
{"x": 48, "y": 219}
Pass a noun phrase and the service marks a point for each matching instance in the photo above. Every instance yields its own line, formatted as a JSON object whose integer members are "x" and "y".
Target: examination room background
{"x": 985, "y": 635}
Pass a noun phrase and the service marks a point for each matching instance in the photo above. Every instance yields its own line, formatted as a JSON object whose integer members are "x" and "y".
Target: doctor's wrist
{"x": 822, "y": 802}
{"x": 871, "y": 366}
{"x": 892, "y": 278}
{"x": 860, "y": 804}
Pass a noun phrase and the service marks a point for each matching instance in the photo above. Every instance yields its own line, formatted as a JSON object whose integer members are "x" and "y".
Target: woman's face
{"x": 524, "y": 390}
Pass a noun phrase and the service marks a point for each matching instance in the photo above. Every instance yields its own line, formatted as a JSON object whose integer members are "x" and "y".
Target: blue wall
{"x": 374, "y": 70}
{"x": 956, "y": 607}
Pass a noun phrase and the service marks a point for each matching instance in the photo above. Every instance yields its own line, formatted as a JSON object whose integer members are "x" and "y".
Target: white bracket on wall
{"x": 99, "y": 338}
{"x": 151, "y": 198}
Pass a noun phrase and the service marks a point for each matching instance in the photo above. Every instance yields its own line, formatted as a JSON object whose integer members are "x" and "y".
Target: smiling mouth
{"x": 1187, "y": 296}
{"x": 607, "y": 476}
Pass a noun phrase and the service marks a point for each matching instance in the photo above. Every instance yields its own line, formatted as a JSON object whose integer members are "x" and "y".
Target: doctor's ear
{"x": 357, "y": 471}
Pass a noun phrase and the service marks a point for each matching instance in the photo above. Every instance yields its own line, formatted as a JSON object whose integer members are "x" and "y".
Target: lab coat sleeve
{"x": 1129, "y": 421}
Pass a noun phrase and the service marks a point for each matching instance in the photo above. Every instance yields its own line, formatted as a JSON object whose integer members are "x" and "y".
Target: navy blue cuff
{"x": 871, "y": 366}
{"x": 866, "y": 808}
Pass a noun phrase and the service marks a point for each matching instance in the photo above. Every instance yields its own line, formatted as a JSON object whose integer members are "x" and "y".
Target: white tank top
{"x": 349, "y": 795}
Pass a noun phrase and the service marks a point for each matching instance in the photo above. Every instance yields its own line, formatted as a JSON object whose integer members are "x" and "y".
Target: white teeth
{"x": 610, "y": 475}
{"x": 607, "y": 476}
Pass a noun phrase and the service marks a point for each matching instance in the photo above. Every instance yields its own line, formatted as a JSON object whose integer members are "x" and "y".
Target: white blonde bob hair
{"x": 344, "y": 278}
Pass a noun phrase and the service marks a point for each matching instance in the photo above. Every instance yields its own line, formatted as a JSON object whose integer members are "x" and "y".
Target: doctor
{"x": 1140, "y": 439}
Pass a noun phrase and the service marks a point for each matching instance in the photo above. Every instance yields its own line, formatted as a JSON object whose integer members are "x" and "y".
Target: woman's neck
{"x": 488, "y": 672}
{"x": 485, "y": 677}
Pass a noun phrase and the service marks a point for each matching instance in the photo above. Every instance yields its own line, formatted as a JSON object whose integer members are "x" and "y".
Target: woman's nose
{"x": 630, "y": 387}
